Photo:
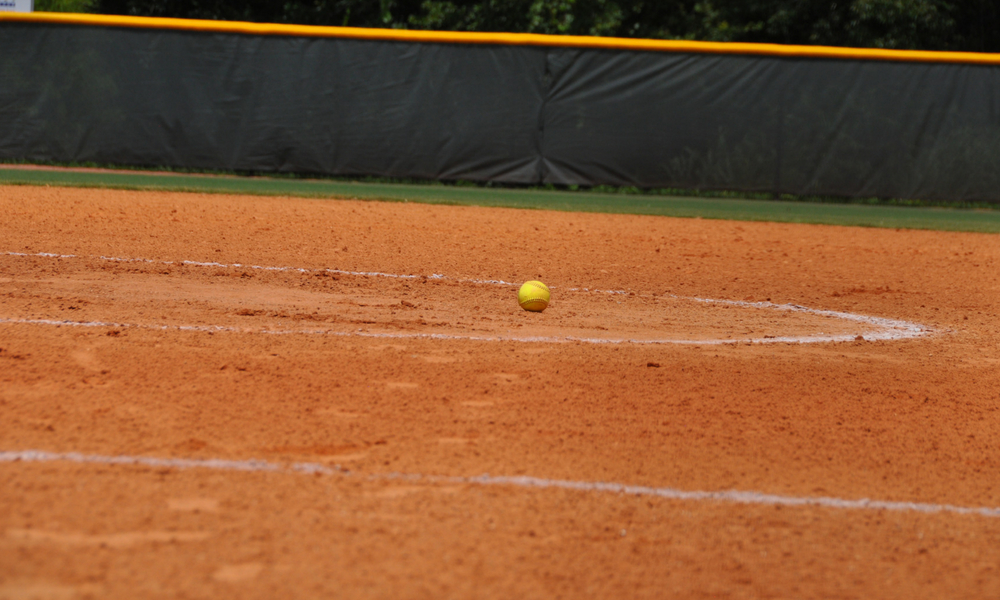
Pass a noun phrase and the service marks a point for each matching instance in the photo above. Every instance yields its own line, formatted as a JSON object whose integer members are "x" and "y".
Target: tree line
{"x": 969, "y": 25}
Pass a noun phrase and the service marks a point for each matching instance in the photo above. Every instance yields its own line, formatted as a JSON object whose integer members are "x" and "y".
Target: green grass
{"x": 899, "y": 217}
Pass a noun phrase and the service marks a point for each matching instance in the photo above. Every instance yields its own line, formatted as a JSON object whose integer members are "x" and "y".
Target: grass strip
{"x": 896, "y": 217}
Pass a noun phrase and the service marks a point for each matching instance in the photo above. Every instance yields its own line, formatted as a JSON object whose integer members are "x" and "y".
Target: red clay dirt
{"x": 441, "y": 374}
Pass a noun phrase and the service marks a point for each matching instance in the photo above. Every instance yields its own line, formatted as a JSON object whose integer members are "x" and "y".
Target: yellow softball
{"x": 533, "y": 296}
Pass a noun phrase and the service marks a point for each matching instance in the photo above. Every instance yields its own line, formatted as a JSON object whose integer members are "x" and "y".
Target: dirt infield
{"x": 223, "y": 396}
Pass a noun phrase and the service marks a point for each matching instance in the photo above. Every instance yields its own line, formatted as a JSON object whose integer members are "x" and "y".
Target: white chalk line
{"x": 726, "y": 496}
{"x": 887, "y": 329}
{"x": 883, "y": 335}
{"x": 194, "y": 263}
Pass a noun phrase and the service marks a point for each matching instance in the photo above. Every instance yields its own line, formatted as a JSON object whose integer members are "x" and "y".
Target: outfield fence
{"x": 525, "y": 109}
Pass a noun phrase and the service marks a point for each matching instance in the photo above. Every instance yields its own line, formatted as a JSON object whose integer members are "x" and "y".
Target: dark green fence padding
{"x": 493, "y": 112}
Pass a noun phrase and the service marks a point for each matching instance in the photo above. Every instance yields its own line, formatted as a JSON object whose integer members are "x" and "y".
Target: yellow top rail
{"x": 509, "y": 39}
